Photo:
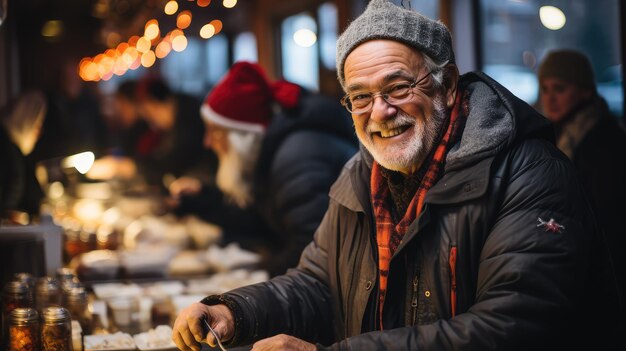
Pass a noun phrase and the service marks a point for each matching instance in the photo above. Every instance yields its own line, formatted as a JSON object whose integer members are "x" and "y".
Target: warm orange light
{"x": 163, "y": 49}
{"x": 204, "y": 3}
{"x": 176, "y": 32}
{"x": 130, "y": 55}
{"x": 120, "y": 66}
{"x": 110, "y": 52}
{"x": 121, "y": 48}
{"x": 83, "y": 62}
{"x": 183, "y": 20}
{"x": 171, "y": 7}
{"x": 207, "y": 31}
{"x": 217, "y": 24}
{"x": 98, "y": 59}
{"x": 91, "y": 71}
{"x": 106, "y": 65}
{"x": 143, "y": 44}
{"x": 179, "y": 43}
{"x": 136, "y": 64}
{"x": 229, "y": 3}
{"x": 133, "y": 40}
{"x": 148, "y": 58}
{"x": 152, "y": 29}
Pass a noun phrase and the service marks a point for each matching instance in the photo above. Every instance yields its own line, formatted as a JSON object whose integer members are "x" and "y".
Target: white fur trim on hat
{"x": 211, "y": 115}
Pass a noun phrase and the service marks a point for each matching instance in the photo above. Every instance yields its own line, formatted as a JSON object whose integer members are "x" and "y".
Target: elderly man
{"x": 459, "y": 226}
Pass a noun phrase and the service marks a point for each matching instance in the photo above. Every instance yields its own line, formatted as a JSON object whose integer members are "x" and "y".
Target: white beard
{"x": 403, "y": 156}
{"x": 235, "y": 171}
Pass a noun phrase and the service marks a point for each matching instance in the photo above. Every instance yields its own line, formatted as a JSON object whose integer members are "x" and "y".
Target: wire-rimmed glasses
{"x": 394, "y": 94}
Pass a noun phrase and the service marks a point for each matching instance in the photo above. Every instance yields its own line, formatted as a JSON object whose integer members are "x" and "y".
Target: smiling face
{"x": 398, "y": 137}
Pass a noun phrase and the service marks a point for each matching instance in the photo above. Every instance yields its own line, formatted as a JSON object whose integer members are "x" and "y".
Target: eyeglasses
{"x": 393, "y": 94}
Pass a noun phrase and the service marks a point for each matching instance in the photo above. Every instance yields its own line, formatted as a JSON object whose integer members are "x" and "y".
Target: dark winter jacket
{"x": 497, "y": 260}
{"x": 599, "y": 155}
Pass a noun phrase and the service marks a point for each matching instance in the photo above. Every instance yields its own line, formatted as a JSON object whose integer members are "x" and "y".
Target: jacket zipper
{"x": 414, "y": 300}
{"x": 452, "y": 262}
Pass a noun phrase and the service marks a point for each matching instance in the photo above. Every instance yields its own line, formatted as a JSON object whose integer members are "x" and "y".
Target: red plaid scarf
{"x": 389, "y": 234}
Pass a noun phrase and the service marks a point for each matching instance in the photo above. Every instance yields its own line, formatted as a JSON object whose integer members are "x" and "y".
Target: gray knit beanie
{"x": 384, "y": 20}
{"x": 570, "y": 66}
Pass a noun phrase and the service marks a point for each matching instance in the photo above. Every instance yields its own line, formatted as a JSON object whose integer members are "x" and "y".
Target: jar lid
{"x": 64, "y": 273}
{"x": 24, "y": 315}
{"x": 55, "y": 314}
{"x": 16, "y": 287}
{"x": 77, "y": 295}
{"x": 47, "y": 285}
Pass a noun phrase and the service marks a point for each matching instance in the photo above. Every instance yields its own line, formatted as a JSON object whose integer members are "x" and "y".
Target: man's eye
{"x": 359, "y": 97}
{"x": 398, "y": 88}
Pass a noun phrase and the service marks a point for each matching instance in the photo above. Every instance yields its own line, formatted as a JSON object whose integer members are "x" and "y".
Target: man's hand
{"x": 185, "y": 186}
{"x": 188, "y": 330}
{"x": 282, "y": 342}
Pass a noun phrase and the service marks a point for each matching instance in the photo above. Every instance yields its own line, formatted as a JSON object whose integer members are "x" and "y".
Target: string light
{"x": 137, "y": 51}
{"x": 171, "y": 7}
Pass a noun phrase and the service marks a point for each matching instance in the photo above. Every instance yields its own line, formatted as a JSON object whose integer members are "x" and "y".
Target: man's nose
{"x": 381, "y": 109}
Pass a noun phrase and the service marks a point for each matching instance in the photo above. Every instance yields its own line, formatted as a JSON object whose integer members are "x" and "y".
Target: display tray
{"x": 109, "y": 342}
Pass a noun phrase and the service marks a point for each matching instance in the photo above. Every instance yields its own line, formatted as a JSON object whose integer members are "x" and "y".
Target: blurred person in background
{"x": 280, "y": 148}
{"x": 458, "y": 225}
{"x": 74, "y": 122}
{"x": 20, "y": 129}
{"x": 591, "y": 138}
{"x": 171, "y": 146}
{"x": 127, "y": 126}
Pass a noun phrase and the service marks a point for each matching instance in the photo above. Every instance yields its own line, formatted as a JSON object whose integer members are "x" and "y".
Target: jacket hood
{"x": 496, "y": 120}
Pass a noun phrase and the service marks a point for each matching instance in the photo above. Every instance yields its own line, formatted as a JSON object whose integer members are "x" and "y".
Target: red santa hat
{"x": 243, "y": 99}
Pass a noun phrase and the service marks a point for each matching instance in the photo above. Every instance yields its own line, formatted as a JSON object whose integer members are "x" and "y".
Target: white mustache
{"x": 400, "y": 120}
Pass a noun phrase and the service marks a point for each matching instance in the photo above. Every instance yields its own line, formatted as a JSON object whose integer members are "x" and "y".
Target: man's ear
{"x": 450, "y": 81}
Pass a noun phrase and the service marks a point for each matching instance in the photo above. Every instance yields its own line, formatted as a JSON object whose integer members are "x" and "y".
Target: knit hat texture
{"x": 384, "y": 20}
{"x": 570, "y": 66}
{"x": 243, "y": 100}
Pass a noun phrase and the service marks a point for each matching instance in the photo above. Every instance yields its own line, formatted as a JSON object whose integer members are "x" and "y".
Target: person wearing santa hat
{"x": 280, "y": 148}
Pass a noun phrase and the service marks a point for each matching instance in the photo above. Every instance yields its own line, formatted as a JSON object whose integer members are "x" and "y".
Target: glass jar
{"x": 24, "y": 330}
{"x": 66, "y": 287}
{"x": 14, "y": 295}
{"x": 78, "y": 305}
{"x": 65, "y": 273}
{"x": 56, "y": 330}
{"x": 48, "y": 293}
{"x": 26, "y": 278}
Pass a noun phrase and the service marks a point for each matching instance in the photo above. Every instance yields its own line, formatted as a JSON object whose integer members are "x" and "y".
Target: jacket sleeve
{"x": 302, "y": 172}
{"x": 297, "y": 303}
{"x": 528, "y": 276}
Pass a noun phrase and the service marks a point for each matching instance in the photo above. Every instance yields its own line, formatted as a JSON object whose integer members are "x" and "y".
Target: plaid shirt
{"x": 389, "y": 234}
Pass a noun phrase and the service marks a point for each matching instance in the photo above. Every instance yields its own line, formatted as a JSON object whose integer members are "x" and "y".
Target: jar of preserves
{"x": 78, "y": 305}
{"x": 24, "y": 330}
{"x": 56, "y": 330}
{"x": 48, "y": 293}
{"x": 14, "y": 295}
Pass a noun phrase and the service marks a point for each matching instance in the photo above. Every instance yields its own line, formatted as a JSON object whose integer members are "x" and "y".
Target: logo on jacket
{"x": 550, "y": 226}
